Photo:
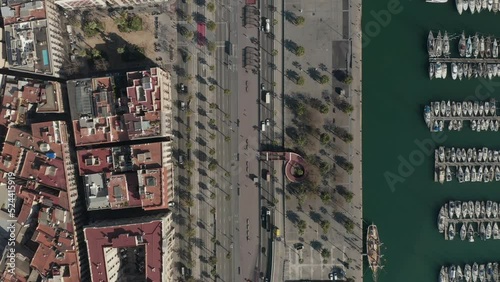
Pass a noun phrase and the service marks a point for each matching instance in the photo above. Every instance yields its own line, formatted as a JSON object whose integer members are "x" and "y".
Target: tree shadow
{"x": 200, "y": 197}
{"x": 323, "y": 210}
{"x": 316, "y": 245}
{"x": 180, "y": 71}
{"x": 202, "y": 172}
{"x": 201, "y": 156}
{"x": 177, "y": 134}
{"x": 203, "y": 185}
{"x": 340, "y": 217}
{"x": 290, "y": 16}
{"x": 290, "y": 45}
{"x": 199, "y": 18}
{"x": 201, "y": 97}
{"x": 200, "y": 3}
{"x": 183, "y": 180}
{"x": 213, "y": 81}
{"x": 340, "y": 75}
{"x": 203, "y": 259}
{"x": 316, "y": 217}
{"x": 324, "y": 237}
{"x": 202, "y": 112}
{"x": 292, "y": 132}
{"x": 200, "y": 125}
{"x": 200, "y": 141}
{"x": 292, "y": 216}
{"x": 292, "y": 75}
{"x": 200, "y": 224}
{"x": 198, "y": 242}
{"x": 200, "y": 79}
{"x": 314, "y": 73}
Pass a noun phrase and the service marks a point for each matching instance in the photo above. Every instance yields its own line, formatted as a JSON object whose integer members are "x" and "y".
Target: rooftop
{"x": 95, "y": 161}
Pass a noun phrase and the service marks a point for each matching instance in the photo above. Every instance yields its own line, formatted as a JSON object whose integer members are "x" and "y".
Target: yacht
{"x": 494, "y": 52}
{"x": 483, "y": 210}
{"x": 475, "y": 45}
{"x": 441, "y": 219}
{"x": 489, "y": 204}
{"x": 471, "y": 209}
{"x": 437, "y": 70}
{"x": 470, "y": 233}
{"x": 476, "y": 108}
{"x": 477, "y": 209}
{"x": 439, "y": 44}
{"x": 458, "y": 209}
{"x": 495, "y": 6}
{"x": 482, "y": 231}
{"x": 463, "y": 231}
{"x": 451, "y": 231}
{"x": 460, "y": 67}
{"x": 490, "y": 5}
{"x": 446, "y": 43}
{"x": 468, "y": 47}
{"x": 444, "y": 71}
{"x": 451, "y": 209}
{"x": 475, "y": 271}
{"x": 480, "y": 174}
{"x": 431, "y": 70}
{"x": 473, "y": 175}
{"x": 488, "y": 47}
{"x": 443, "y": 276}
{"x": 488, "y": 231}
{"x": 459, "y": 6}
{"x": 467, "y": 273}
{"x": 494, "y": 210}
{"x": 454, "y": 106}
{"x": 482, "y": 273}
{"x": 496, "y": 234}
{"x": 482, "y": 46}
{"x": 431, "y": 45}
{"x": 465, "y": 209}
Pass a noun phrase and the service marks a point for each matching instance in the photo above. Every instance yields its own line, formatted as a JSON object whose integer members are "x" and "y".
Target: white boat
{"x": 468, "y": 47}
{"x": 475, "y": 271}
{"x": 463, "y": 231}
{"x": 482, "y": 231}
{"x": 467, "y": 273}
{"x": 472, "y": 6}
{"x": 467, "y": 175}
{"x": 446, "y": 44}
{"x": 458, "y": 209}
{"x": 441, "y": 154}
{"x": 451, "y": 209}
{"x": 496, "y": 233}
{"x": 475, "y": 44}
{"x": 469, "y": 154}
{"x": 473, "y": 175}
{"x": 459, "y": 108}
{"x": 495, "y": 70}
{"x": 476, "y": 108}
{"x": 454, "y": 71}
{"x": 448, "y": 174}
{"x": 460, "y": 73}
{"x": 495, "y": 155}
{"x": 451, "y": 231}
{"x": 484, "y": 5}
{"x": 444, "y": 71}
{"x": 478, "y": 6}
{"x": 437, "y": 70}
{"x": 497, "y": 174}
{"x": 452, "y": 273}
{"x": 459, "y": 6}
{"x": 469, "y": 107}
{"x": 441, "y": 219}
{"x": 489, "y": 272}
{"x": 493, "y": 107}
{"x": 465, "y": 5}
{"x": 483, "y": 210}
{"x": 490, "y": 5}
{"x": 494, "y": 210}
{"x": 431, "y": 70}
{"x": 460, "y": 275}
{"x": 443, "y": 275}
{"x": 482, "y": 47}
{"x": 477, "y": 209}
{"x": 488, "y": 231}
{"x": 486, "y": 177}
{"x": 439, "y": 44}
{"x": 482, "y": 273}
{"x": 470, "y": 233}
{"x": 431, "y": 45}
{"x": 487, "y": 51}
{"x": 465, "y": 209}
{"x": 480, "y": 174}
{"x": 495, "y": 46}
{"x": 495, "y": 6}
{"x": 495, "y": 269}
{"x": 471, "y": 209}
{"x": 486, "y": 108}
{"x": 489, "y": 205}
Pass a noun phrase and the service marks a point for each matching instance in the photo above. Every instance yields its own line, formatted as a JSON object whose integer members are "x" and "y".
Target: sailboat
{"x": 482, "y": 47}
{"x": 468, "y": 47}
{"x": 446, "y": 45}
{"x": 471, "y": 209}
{"x": 462, "y": 47}
{"x": 431, "y": 45}
{"x": 488, "y": 47}
{"x": 488, "y": 231}
{"x": 470, "y": 233}
{"x": 494, "y": 209}
{"x": 451, "y": 231}
{"x": 475, "y": 45}
{"x": 496, "y": 234}
{"x": 454, "y": 71}
{"x": 495, "y": 47}
{"x": 373, "y": 250}
{"x": 463, "y": 231}
{"x": 441, "y": 219}
{"x": 459, "y": 6}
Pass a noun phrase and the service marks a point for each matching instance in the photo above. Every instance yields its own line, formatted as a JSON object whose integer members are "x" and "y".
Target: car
{"x": 183, "y": 106}
{"x": 171, "y": 204}
{"x": 183, "y": 88}
{"x": 262, "y": 86}
{"x": 298, "y": 246}
{"x": 268, "y": 212}
{"x": 266, "y": 25}
{"x": 330, "y": 276}
{"x": 268, "y": 122}
{"x": 181, "y": 159}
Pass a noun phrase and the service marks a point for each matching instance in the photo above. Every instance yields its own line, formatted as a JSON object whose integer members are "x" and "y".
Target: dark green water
{"x": 395, "y": 88}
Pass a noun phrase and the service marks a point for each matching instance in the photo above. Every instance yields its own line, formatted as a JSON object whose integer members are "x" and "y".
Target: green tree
{"x": 302, "y": 226}
{"x": 211, "y": 87}
{"x": 212, "y": 210}
{"x": 227, "y": 91}
{"x": 348, "y": 195}
{"x": 213, "y": 106}
{"x": 275, "y": 22}
{"x": 300, "y": 80}
{"x": 325, "y": 253}
{"x": 211, "y": 25}
{"x": 211, "y": 7}
{"x": 212, "y": 136}
{"x": 324, "y": 79}
{"x": 349, "y": 226}
{"x": 324, "y": 138}
{"x": 299, "y": 20}
{"x": 212, "y": 260}
{"x": 347, "y": 80}
{"x": 227, "y": 138}
{"x": 211, "y": 46}
{"x": 325, "y": 197}
{"x": 95, "y": 54}
{"x": 190, "y": 232}
{"x": 212, "y": 195}
{"x": 228, "y": 255}
{"x": 274, "y": 52}
{"x": 325, "y": 225}
{"x": 120, "y": 50}
{"x": 211, "y": 151}
{"x": 324, "y": 109}
{"x": 93, "y": 27}
{"x": 212, "y": 165}
{"x": 300, "y": 51}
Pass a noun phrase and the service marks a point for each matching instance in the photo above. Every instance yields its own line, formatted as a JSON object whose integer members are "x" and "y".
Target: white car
{"x": 266, "y": 25}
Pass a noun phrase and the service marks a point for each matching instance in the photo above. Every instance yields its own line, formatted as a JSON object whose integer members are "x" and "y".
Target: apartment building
{"x": 83, "y": 4}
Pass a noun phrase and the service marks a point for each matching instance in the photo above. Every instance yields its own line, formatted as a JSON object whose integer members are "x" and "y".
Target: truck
{"x": 268, "y": 176}
{"x": 268, "y": 97}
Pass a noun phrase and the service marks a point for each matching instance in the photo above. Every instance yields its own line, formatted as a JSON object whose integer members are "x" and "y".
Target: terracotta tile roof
{"x": 95, "y": 161}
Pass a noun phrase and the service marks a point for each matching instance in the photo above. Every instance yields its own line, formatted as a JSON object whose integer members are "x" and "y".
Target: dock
{"x": 464, "y": 60}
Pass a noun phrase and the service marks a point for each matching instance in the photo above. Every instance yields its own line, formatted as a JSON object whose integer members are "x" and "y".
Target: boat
{"x": 493, "y": 106}
{"x": 451, "y": 209}
{"x": 373, "y": 250}
{"x": 483, "y": 210}
{"x": 451, "y": 231}
{"x": 431, "y": 70}
{"x": 465, "y": 5}
{"x": 484, "y": 5}
{"x": 470, "y": 233}
{"x": 458, "y": 209}
{"x": 489, "y": 204}
{"x": 472, "y": 6}
{"x": 439, "y": 44}
{"x": 459, "y": 6}
{"x": 488, "y": 231}
{"x": 473, "y": 175}
{"x": 436, "y": 108}
{"x": 441, "y": 154}
{"x": 477, "y": 209}
{"x": 460, "y": 76}
{"x": 476, "y": 108}
{"x": 469, "y": 154}
{"x": 443, "y": 275}
{"x": 444, "y": 71}
{"x": 463, "y": 231}
{"x": 489, "y": 272}
{"x": 478, "y": 6}
{"x": 495, "y": 156}
{"x": 494, "y": 51}
{"x": 497, "y": 173}
{"x": 495, "y": 269}
{"x": 437, "y": 70}
{"x": 454, "y": 71}
{"x": 482, "y": 231}
{"x": 467, "y": 273}
{"x": 496, "y": 234}
{"x": 475, "y": 45}
{"x": 467, "y": 174}
{"x": 482, "y": 47}
{"x": 453, "y": 273}
{"x": 460, "y": 275}
{"x": 475, "y": 271}
{"x": 490, "y": 5}
{"x": 486, "y": 177}
{"x": 462, "y": 47}
{"x": 482, "y": 273}
{"x": 431, "y": 48}
{"x": 486, "y": 108}
{"x": 459, "y": 105}
{"x": 461, "y": 175}
{"x": 495, "y": 6}
{"x": 494, "y": 209}
{"x": 471, "y": 209}
{"x": 488, "y": 47}
{"x": 446, "y": 44}
{"x": 465, "y": 209}
{"x": 441, "y": 220}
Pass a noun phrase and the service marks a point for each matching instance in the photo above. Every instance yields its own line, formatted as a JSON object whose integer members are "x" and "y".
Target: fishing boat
{"x": 467, "y": 273}
{"x": 494, "y": 209}
{"x": 454, "y": 71}
{"x": 475, "y": 45}
{"x": 470, "y": 233}
{"x": 451, "y": 231}
{"x": 431, "y": 70}
{"x": 446, "y": 45}
{"x": 496, "y": 234}
{"x": 482, "y": 47}
{"x": 488, "y": 231}
{"x": 431, "y": 45}
{"x": 475, "y": 271}
{"x": 459, "y": 6}
{"x": 441, "y": 220}
{"x": 482, "y": 231}
{"x": 471, "y": 209}
{"x": 463, "y": 232}
{"x": 462, "y": 47}
{"x": 477, "y": 209}
{"x": 482, "y": 273}
{"x": 373, "y": 250}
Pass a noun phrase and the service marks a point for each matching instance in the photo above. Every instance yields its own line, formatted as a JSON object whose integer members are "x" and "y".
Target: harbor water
{"x": 399, "y": 191}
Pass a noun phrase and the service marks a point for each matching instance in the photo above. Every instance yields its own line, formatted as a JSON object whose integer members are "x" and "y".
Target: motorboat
{"x": 438, "y": 70}
{"x": 487, "y": 51}
{"x": 439, "y": 44}
{"x": 473, "y": 175}
{"x": 453, "y": 154}
{"x": 451, "y": 231}
{"x": 497, "y": 173}
{"x": 481, "y": 109}
{"x": 431, "y": 70}
{"x": 467, "y": 174}
{"x": 495, "y": 70}
{"x": 466, "y": 70}
{"x": 443, "y": 275}
{"x": 482, "y": 231}
{"x": 453, "y": 108}
{"x": 475, "y": 271}
{"x": 470, "y": 233}
{"x": 480, "y": 174}
{"x": 495, "y": 155}
{"x": 494, "y": 51}
{"x": 446, "y": 44}
{"x": 474, "y": 154}
{"x": 483, "y": 210}
{"x": 490, "y": 5}
{"x": 475, "y": 44}
{"x": 482, "y": 47}
{"x": 465, "y": 209}
{"x": 454, "y": 71}
{"x": 459, "y": 6}
{"x": 495, "y": 6}
{"x": 444, "y": 71}
{"x": 486, "y": 177}
{"x": 486, "y": 108}
{"x": 436, "y": 108}
{"x": 458, "y": 209}
{"x": 476, "y": 108}
{"x": 482, "y": 273}
{"x": 460, "y": 275}
{"x": 488, "y": 231}
{"x": 490, "y": 71}
{"x": 451, "y": 209}
{"x": 463, "y": 231}
{"x": 469, "y": 154}
{"x": 441, "y": 154}
{"x": 495, "y": 269}
{"x": 467, "y": 273}
{"x": 464, "y": 154}
{"x": 494, "y": 210}
{"x": 468, "y": 47}
{"x": 484, "y": 5}
{"x": 465, "y": 5}
{"x": 493, "y": 106}
{"x": 489, "y": 272}
{"x": 477, "y": 209}
{"x": 478, "y": 6}
{"x": 459, "y": 105}
{"x": 485, "y": 154}
{"x": 496, "y": 234}
{"x": 460, "y": 67}
{"x": 452, "y": 273}
{"x": 471, "y": 209}
{"x": 480, "y": 155}
{"x": 441, "y": 220}
{"x": 431, "y": 45}
{"x": 489, "y": 204}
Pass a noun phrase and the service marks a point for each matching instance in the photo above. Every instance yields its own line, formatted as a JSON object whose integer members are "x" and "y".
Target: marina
{"x": 451, "y": 115}
{"x": 469, "y": 273}
{"x": 469, "y": 220}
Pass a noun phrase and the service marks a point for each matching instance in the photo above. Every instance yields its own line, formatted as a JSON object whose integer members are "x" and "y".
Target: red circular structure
{"x": 294, "y": 159}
